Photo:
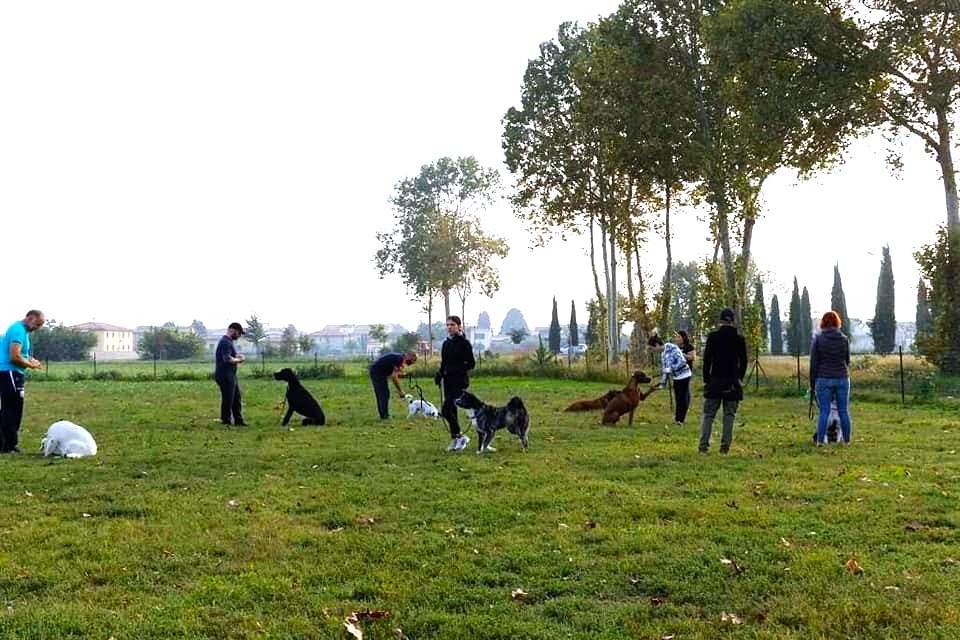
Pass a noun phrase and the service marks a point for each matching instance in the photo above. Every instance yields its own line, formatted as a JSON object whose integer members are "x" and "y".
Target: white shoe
{"x": 453, "y": 444}
{"x": 490, "y": 449}
{"x": 461, "y": 443}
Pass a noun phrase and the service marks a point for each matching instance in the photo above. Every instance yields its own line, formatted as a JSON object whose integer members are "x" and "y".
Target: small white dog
{"x": 67, "y": 439}
{"x": 416, "y": 405}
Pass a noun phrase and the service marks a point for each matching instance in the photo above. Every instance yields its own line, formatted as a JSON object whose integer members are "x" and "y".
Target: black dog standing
{"x": 456, "y": 362}
{"x": 225, "y": 373}
{"x": 299, "y": 400}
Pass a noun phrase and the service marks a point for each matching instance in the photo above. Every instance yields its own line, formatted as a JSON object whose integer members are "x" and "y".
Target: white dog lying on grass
{"x": 67, "y": 439}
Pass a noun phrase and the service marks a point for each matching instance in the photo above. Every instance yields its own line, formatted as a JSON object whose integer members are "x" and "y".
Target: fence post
{"x": 263, "y": 361}
{"x": 154, "y": 364}
{"x": 903, "y": 388}
{"x": 626, "y": 359}
{"x": 799, "y": 388}
{"x": 94, "y": 363}
{"x": 47, "y": 370}
{"x": 316, "y": 360}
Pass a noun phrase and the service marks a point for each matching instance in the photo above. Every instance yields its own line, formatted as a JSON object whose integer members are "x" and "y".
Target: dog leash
{"x": 814, "y": 401}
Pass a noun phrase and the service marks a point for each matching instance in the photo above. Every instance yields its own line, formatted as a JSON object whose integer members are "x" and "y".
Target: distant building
{"x": 481, "y": 338}
{"x": 352, "y": 338}
{"x": 113, "y": 342}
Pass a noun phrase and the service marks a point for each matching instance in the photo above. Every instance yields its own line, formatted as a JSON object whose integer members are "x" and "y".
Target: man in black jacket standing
{"x": 724, "y": 368}
{"x": 456, "y": 361}
{"x": 225, "y": 373}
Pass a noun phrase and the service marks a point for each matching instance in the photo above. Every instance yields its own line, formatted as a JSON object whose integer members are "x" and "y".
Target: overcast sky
{"x": 178, "y": 160}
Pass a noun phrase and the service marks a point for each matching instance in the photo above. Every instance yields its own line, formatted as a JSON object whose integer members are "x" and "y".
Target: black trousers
{"x": 681, "y": 391}
{"x": 381, "y": 389}
{"x": 230, "y": 399}
{"x": 11, "y": 409}
{"x": 452, "y": 389}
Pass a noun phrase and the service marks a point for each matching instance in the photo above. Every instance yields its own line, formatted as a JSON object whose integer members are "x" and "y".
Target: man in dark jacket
{"x": 456, "y": 362}
{"x": 225, "y": 373}
{"x": 388, "y": 367}
{"x": 724, "y": 368}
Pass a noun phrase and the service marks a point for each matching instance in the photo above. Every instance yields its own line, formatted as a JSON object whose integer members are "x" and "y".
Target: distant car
{"x": 575, "y": 350}
{"x": 564, "y": 350}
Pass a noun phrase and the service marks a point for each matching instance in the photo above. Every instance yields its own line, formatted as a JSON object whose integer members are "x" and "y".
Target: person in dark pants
{"x": 225, "y": 373}
{"x": 682, "y": 340}
{"x": 15, "y": 359}
{"x": 388, "y": 367}
{"x": 830, "y": 375}
{"x": 724, "y": 368}
{"x": 676, "y": 368}
{"x": 456, "y": 362}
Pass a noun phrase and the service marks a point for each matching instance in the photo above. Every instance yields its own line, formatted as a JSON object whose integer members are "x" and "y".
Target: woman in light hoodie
{"x": 676, "y": 367}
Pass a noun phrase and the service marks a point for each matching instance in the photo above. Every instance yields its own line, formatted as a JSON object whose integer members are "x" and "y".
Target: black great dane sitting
{"x": 299, "y": 400}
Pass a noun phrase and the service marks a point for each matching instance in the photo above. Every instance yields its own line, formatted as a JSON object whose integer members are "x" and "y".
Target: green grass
{"x": 181, "y": 529}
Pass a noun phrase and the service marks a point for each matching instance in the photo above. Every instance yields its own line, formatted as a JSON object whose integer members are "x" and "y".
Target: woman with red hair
{"x": 829, "y": 375}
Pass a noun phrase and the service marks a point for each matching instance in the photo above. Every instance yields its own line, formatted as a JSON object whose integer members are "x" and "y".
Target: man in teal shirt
{"x": 15, "y": 359}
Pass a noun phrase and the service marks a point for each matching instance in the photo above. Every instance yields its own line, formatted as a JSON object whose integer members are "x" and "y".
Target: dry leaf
{"x": 28, "y": 494}
{"x": 726, "y": 561}
{"x": 589, "y": 524}
{"x": 785, "y": 543}
{"x": 353, "y": 629}
{"x": 730, "y": 618}
{"x": 563, "y": 526}
{"x": 669, "y": 637}
{"x": 915, "y": 526}
{"x": 86, "y": 515}
{"x": 22, "y": 573}
{"x": 854, "y": 567}
{"x": 400, "y": 634}
{"x": 519, "y": 594}
{"x": 233, "y": 503}
{"x": 168, "y": 554}
{"x": 733, "y": 504}
{"x": 656, "y": 602}
{"x": 892, "y": 588}
{"x": 365, "y": 520}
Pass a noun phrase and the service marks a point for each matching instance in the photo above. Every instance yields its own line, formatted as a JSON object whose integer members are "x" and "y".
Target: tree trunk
{"x": 614, "y": 345}
{"x": 593, "y": 263}
{"x": 606, "y": 281}
{"x": 430, "y": 320}
{"x": 729, "y": 269}
{"x": 749, "y": 221}
{"x": 950, "y": 322}
{"x": 665, "y": 295}
{"x": 446, "y": 302}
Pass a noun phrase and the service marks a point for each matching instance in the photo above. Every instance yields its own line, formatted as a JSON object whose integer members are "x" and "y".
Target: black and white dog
{"x": 299, "y": 400}
{"x": 488, "y": 419}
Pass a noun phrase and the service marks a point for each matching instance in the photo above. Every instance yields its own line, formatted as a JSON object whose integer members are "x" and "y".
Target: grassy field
{"x": 182, "y": 529}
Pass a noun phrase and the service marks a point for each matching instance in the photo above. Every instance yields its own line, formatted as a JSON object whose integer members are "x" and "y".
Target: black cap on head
{"x": 727, "y": 315}
{"x": 237, "y": 326}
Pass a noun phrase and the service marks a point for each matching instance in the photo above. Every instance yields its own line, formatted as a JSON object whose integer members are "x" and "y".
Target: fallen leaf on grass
{"x": 785, "y": 543}
{"x": 168, "y": 554}
{"x": 400, "y": 634}
{"x": 854, "y": 567}
{"x": 589, "y": 524}
{"x": 22, "y": 573}
{"x": 366, "y": 520}
{"x": 733, "y": 504}
{"x": 657, "y": 601}
{"x": 732, "y": 563}
{"x": 28, "y": 494}
{"x": 669, "y": 637}
{"x": 352, "y": 622}
{"x": 353, "y": 629}
{"x": 892, "y": 588}
{"x": 86, "y": 515}
{"x": 563, "y": 526}
{"x": 915, "y": 526}
{"x": 519, "y": 594}
{"x": 233, "y": 503}
{"x": 730, "y": 618}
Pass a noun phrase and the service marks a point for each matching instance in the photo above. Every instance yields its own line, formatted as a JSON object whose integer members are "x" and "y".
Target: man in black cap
{"x": 225, "y": 373}
{"x": 724, "y": 368}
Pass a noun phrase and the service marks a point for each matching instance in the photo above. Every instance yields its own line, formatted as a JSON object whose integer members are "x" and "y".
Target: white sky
{"x": 178, "y": 160}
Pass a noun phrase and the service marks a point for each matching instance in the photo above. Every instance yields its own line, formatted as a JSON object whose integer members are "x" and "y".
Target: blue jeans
{"x": 828, "y": 390}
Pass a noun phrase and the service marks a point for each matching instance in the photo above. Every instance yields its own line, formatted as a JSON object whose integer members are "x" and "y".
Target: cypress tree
{"x": 806, "y": 314}
{"x": 795, "y": 329}
{"x": 838, "y": 301}
{"x": 776, "y": 328}
{"x": 574, "y": 329}
{"x": 554, "y": 338}
{"x": 762, "y": 315}
{"x": 884, "y": 324}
